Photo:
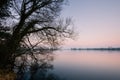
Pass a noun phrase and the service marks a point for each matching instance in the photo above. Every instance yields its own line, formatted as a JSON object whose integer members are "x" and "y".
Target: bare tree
{"x": 4, "y": 5}
{"x": 33, "y": 18}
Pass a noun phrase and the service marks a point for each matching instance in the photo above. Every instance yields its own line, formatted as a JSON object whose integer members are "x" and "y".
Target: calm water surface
{"x": 73, "y": 65}
{"x": 87, "y": 65}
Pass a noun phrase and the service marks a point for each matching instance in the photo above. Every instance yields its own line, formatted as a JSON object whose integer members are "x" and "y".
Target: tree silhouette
{"x": 4, "y": 4}
{"x": 31, "y": 69}
{"x": 30, "y": 19}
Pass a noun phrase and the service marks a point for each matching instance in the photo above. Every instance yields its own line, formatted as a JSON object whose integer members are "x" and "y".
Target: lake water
{"x": 75, "y": 65}
{"x": 87, "y": 65}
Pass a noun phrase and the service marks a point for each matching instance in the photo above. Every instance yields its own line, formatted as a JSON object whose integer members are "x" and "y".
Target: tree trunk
{"x": 7, "y": 52}
{"x": 5, "y": 61}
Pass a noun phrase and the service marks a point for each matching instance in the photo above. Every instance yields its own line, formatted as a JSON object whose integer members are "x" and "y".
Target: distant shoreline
{"x": 102, "y": 49}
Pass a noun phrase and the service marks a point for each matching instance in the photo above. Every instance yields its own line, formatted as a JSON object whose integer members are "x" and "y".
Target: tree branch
{"x": 44, "y": 28}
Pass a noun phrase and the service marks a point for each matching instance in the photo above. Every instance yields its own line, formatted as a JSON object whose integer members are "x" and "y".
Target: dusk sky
{"x": 96, "y": 21}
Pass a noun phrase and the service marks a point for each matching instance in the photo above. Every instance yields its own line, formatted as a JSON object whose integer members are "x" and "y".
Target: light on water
{"x": 71, "y": 65}
{"x": 77, "y": 65}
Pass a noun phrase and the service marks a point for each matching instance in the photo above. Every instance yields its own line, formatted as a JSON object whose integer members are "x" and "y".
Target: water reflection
{"x": 88, "y": 65}
{"x": 68, "y": 65}
{"x": 35, "y": 67}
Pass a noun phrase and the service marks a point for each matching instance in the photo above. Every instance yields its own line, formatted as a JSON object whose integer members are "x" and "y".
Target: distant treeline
{"x": 95, "y": 49}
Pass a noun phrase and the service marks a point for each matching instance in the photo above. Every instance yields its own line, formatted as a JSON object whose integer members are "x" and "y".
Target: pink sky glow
{"x": 96, "y": 21}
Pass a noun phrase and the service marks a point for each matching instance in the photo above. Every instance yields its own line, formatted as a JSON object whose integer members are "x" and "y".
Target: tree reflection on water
{"x": 35, "y": 67}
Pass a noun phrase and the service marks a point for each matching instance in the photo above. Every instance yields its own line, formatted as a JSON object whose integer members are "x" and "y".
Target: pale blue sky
{"x": 96, "y": 21}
